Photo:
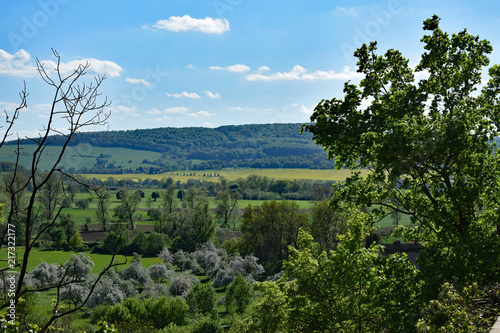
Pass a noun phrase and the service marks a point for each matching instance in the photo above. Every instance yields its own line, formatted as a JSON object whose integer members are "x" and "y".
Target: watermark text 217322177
{"x": 11, "y": 278}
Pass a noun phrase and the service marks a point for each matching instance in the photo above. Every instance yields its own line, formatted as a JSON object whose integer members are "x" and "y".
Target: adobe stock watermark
{"x": 31, "y": 25}
{"x": 380, "y": 19}
{"x": 223, "y": 6}
{"x": 10, "y": 281}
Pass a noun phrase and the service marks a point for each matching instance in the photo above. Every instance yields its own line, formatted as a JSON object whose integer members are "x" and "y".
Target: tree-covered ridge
{"x": 266, "y": 139}
{"x": 253, "y": 146}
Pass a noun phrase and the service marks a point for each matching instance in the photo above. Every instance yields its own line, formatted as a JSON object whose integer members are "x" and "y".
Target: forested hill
{"x": 257, "y": 146}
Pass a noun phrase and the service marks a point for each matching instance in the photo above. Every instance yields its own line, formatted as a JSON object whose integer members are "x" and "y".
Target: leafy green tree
{"x": 83, "y": 203}
{"x": 154, "y": 214}
{"x": 49, "y": 194}
{"x": 227, "y": 205}
{"x": 126, "y": 211}
{"x": 121, "y": 193}
{"x": 155, "y": 244}
{"x": 207, "y": 325}
{"x": 58, "y": 237}
{"x": 202, "y": 223}
{"x": 71, "y": 190}
{"x": 270, "y": 229}
{"x": 192, "y": 195}
{"x": 429, "y": 145}
{"x": 326, "y": 224}
{"x": 201, "y": 299}
{"x": 68, "y": 224}
{"x": 350, "y": 289}
{"x": 169, "y": 202}
{"x": 468, "y": 310}
{"x": 181, "y": 194}
{"x": 155, "y": 195}
{"x": 76, "y": 240}
{"x": 168, "y": 310}
{"x": 239, "y": 294}
{"x": 102, "y": 211}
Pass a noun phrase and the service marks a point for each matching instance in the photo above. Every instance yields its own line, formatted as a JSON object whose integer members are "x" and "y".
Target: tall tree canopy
{"x": 427, "y": 136}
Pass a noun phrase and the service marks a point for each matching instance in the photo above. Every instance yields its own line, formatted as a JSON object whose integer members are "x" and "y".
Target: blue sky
{"x": 183, "y": 63}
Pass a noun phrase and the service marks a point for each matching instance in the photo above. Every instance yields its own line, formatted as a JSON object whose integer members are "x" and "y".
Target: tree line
{"x": 249, "y": 146}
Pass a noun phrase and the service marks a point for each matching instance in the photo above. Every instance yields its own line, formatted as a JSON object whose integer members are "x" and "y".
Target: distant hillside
{"x": 255, "y": 146}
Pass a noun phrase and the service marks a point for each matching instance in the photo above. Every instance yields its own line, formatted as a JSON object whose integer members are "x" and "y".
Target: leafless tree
{"x": 78, "y": 105}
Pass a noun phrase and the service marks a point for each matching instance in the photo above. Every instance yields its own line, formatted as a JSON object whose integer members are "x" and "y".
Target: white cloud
{"x": 189, "y": 66}
{"x": 305, "y": 110}
{"x": 239, "y": 68}
{"x": 172, "y": 110}
{"x": 20, "y": 64}
{"x": 184, "y": 94}
{"x": 263, "y": 68}
{"x": 122, "y": 109}
{"x": 8, "y": 106}
{"x": 153, "y": 111}
{"x": 201, "y": 114}
{"x": 99, "y": 67}
{"x": 350, "y": 11}
{"x": 210, "y": 94}
{"x": 207, "y": 25}
{"x": 17, "y": 64}
{"x": 176, "y": 109}
{"x": 235, "y": 108}
{"x": 300, "y": 73}
{"x": 138, "y": 81}
{"x": 40, "y": 107}
{"x": 208, "y": 124}
{"x": 159, "y": 119}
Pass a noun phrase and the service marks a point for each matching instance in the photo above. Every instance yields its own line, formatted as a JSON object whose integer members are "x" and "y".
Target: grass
{"x": 38, "y": 256}
{"x": 235, "y": 173}
{"x": 80, "y": 156}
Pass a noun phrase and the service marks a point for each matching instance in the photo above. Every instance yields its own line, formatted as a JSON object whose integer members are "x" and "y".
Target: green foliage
{"x": 58, "y": 237}
{"x": 160, "y": 312}
{"x": 239, "y": 294}
{"x": 350, "y": 289}
{"x": 429, "y": 144}
{"x": 255, "y": 146}
{"x": 191, "y": 228}
{"x": 207, "y": 325}
{"x": 326, "y": 224}
{"x": 8, "y": 326}
{"x": 102, "y": 327}
{"x": 126, "y": 211}
{"x": 76, "y": 241}
{"x": 114, "y": 240}
{"x": 67, "y": 222}
{"x": 201, "y": 299}
{"x": 470, "y": 310}
{"x": 270, "y": 229}
{"x": 83, "y": 203}
{"x": 102, "y": 212}
{"x": 2, "y": 212}
{"x": 168, "y": 310}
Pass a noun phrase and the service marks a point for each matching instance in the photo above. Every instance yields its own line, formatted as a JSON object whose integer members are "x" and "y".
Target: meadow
{"x": 235, "y": 173}
{"x": 83, "y": 155}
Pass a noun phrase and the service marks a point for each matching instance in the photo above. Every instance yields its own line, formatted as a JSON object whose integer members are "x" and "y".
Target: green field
{"x": 80, "y": 156}
{"x": 233, "y": 174}
{"x": 38, "y": 256}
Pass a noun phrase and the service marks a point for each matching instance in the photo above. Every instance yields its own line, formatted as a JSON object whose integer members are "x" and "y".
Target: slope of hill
{"x": 254, "y": 146}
